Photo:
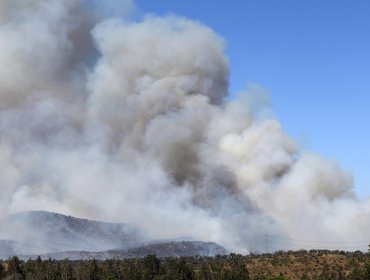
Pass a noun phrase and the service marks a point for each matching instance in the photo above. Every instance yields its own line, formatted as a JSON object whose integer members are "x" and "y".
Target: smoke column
{"x": 111, "y": 119}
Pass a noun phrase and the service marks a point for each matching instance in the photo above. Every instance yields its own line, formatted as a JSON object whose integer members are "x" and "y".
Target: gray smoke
{"x": 117, "y": 120}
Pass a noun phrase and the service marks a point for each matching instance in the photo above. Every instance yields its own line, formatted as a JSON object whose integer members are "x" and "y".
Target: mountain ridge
{"x": 48, "y": 234}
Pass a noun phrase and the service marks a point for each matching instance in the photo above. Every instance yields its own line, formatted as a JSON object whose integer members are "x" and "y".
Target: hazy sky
{"x": 314, "y": 59}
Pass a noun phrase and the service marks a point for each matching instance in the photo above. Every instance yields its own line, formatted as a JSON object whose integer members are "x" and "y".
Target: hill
{"x": 29, "y": 234}
{"x": 43, "y": 232}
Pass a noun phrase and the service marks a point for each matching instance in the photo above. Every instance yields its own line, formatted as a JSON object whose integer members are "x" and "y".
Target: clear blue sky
{"x": 313, "y": 56}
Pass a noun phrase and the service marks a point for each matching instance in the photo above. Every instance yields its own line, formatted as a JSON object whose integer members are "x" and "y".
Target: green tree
{"x": 2, "y": 271}
{"x": 366, "y": 270}
{"x": 93, "y": 270}
{"x": 356, "y": 274}
{"x": 111, "y": 271}
{"x": 178, "y": 269}
{"x": 238, "y": 267}
{"x": 280, "y": 277}
{"x": 151, "y": 267}
{"x": 205, "y": 271}
{"x": 66, "y": 270}
{"x": 14, "y": 266}
{"x": 51, "y": 270}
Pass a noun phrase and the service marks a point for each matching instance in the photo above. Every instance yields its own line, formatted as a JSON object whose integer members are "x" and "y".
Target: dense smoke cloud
{"x": 125, "y": 121}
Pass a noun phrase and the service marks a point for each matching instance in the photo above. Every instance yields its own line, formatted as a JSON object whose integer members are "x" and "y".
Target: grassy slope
{"x": 298, "y": 264}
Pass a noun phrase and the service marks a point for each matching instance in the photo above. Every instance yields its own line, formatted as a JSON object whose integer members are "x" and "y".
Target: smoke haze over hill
{"x": 125, "y": 121}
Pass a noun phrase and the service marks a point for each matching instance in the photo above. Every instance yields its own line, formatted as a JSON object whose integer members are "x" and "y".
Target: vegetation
{"x": 314, "y": 265}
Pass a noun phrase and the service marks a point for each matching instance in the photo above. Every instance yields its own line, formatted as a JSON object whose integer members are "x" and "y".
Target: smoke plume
{"x": 106, "y": 118}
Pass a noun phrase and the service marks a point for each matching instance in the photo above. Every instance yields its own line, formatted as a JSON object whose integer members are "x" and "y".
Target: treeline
{"x": 278, "y": 266}
{"x": 150, "y": 267}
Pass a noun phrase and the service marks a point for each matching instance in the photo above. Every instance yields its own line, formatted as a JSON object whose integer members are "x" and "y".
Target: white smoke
{"x": 126, "y": 121}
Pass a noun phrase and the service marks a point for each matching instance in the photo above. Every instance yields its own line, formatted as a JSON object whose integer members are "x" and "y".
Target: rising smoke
{"x": 112, "y": 119}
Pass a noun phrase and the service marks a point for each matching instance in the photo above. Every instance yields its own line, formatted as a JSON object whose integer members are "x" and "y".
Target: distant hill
{"x": 44, "y": 232}
{"x": 161, "y": 250}
{"x": 175, "y": 249}
{"x": 58, "y": 236}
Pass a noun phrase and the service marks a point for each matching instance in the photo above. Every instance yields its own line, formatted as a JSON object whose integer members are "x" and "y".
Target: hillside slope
{"x": 29, "y": 234}
{"x": 43, "y": 232}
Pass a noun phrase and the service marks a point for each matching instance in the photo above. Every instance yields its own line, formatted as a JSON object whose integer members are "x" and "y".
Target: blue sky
{"x": 313, "y": 57}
